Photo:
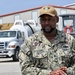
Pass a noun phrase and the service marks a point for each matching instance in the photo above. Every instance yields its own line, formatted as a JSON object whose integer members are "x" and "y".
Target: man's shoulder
{"x": 36, "y": 35}
{"x": 65, "y": 34}
{"x": 69, "y": 36}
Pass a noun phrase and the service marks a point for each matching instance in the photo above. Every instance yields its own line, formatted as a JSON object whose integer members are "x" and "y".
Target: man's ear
{"x": 57, "y": 19}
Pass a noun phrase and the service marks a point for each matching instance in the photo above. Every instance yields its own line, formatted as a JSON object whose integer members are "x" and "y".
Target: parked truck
{"x": 12, "y": 39}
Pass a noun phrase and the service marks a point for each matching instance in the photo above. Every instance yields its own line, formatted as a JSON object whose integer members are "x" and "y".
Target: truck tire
{"x": 7, "y": 56}
{"x": 16, "y": 53}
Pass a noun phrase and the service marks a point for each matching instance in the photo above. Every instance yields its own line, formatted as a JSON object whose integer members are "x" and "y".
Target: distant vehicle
{"x": 12, "y": 39}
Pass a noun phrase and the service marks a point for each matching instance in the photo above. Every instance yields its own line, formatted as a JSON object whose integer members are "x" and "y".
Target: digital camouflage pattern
{"x": 38, "y": 56}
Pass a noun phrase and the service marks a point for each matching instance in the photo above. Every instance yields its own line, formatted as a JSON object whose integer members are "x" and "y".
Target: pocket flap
{"x": 39, "y": 53}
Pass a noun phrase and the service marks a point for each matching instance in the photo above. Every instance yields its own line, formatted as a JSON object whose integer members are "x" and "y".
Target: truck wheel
{"x": 7, "y": 56}
{"x": 15, "y": 56}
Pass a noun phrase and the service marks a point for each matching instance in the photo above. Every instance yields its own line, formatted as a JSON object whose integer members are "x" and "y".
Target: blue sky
{"x": 9, "y": 6}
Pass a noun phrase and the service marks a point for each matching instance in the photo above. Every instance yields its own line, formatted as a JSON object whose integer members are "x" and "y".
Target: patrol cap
{"x": 49, "y": 10}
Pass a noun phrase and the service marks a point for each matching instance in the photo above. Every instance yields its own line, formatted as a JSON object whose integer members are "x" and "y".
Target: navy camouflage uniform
{"x": 38, "y": 56}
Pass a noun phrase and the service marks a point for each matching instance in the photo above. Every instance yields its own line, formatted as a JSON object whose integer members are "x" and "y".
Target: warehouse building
{"x": 33, "y": 13}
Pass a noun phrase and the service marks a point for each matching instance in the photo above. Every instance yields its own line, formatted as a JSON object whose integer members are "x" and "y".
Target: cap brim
{"x": 46, "y": 14}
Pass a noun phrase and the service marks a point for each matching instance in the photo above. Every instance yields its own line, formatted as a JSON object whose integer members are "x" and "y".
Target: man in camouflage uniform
{"x": 49, "y": 51}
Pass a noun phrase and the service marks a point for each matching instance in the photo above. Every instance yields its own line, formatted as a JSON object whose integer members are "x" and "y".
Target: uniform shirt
{"x": 38, "y": 56}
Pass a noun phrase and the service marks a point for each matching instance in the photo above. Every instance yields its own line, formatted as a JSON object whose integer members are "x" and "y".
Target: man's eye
{"x": 43, "y": 19}
{"x": 49, "y": 19}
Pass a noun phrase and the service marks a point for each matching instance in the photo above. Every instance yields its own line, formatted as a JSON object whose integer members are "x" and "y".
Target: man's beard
{"x": 50, "y": 30}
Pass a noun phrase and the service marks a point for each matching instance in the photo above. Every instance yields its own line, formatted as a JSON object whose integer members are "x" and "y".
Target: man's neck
{"x": 50, "y": 36}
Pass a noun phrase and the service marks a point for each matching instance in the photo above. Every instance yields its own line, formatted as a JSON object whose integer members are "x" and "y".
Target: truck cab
{"x": 68, "y": 23}
{"x": 10, "y": 42}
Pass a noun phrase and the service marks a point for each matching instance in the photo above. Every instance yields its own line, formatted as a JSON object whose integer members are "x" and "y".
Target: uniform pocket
{"x": 39, "y": 53}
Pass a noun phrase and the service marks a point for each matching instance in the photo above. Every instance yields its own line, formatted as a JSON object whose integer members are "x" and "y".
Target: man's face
{"x": 48, "y": 23}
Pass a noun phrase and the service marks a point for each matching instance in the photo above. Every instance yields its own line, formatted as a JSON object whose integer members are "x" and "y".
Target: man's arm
{"x": 71, "y": 68}
{"x": 27, "y": 67}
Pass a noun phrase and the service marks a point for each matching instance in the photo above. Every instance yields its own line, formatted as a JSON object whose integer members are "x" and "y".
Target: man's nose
{"x": 47, "y": 22}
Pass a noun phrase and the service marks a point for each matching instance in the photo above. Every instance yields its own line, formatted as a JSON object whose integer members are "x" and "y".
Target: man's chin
{"x": 48, "y": 31}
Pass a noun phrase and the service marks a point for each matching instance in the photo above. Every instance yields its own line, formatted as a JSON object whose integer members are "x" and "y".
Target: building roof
{"x": 73, "y": 4}
{"x": 67, "y": 15}
{"x": 64, "y": 7}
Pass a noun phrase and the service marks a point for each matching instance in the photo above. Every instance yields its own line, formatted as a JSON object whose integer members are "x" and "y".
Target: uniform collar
{"x": 59, "y": 37}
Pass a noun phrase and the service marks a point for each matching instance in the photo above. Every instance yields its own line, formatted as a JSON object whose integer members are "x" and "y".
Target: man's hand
{"x": 60, "y": 71}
